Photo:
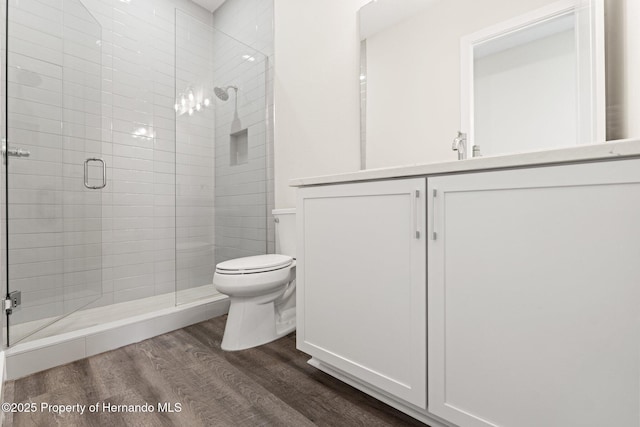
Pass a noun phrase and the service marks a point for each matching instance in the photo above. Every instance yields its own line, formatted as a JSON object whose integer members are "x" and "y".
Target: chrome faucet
{"x": 460, "y": 145}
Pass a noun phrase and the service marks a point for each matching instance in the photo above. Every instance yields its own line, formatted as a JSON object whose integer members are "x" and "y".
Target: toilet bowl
{"x": 261, "y": 291}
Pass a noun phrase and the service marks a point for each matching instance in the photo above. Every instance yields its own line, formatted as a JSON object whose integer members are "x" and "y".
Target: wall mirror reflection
{"x": 535, "y": 81}
{"x": 417, "y": 91}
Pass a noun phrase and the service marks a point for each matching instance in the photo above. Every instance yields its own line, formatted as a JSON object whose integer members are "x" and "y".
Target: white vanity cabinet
{"x": 361, "y": 293}
{"x": 534, "y": 296}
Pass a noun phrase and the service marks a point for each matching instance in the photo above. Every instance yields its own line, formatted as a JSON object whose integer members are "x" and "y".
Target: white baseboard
{"x": 37, "y": 355}
{"x": 416, "y": 413}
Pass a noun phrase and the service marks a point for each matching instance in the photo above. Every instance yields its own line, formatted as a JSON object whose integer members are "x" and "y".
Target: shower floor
{"x": 95, "y": 316}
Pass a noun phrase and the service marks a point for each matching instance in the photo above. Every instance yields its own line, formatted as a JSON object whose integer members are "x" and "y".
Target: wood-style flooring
{"x": 271, "y": 385}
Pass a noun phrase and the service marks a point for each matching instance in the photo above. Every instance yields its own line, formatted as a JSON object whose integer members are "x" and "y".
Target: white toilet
{"x": 261, "y": 290}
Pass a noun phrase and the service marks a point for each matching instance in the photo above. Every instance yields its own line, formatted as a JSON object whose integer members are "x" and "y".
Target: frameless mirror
{"x": 414, "y": 82}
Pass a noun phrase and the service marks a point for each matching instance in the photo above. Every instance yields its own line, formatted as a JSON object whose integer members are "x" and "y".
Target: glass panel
{"x": 82, "y": 140}
{"x": 54, "y": 115}
{"x": 3, "y": 168}
{"x": 221, "y": 136}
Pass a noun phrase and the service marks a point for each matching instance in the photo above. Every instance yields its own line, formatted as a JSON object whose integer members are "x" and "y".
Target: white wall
{"x": 316, "y": 91}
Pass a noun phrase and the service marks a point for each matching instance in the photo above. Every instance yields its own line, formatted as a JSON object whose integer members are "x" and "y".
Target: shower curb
{"x": 45, "y": 353}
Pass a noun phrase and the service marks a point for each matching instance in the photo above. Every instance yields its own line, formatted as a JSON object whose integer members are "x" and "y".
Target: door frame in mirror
{"x": 590, "y": 16}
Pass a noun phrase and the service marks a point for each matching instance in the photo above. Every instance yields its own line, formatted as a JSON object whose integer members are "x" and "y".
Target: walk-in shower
{"x": 132, "y": 190}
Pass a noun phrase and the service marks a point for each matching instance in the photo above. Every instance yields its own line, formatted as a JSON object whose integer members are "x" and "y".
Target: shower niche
{"x": 239, "y": 148}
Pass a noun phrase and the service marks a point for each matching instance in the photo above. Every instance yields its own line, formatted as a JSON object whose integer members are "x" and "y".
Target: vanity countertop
{"x": 605, "y": 151}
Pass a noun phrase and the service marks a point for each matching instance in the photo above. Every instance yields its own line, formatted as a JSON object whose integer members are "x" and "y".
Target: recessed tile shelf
{"x": 239, "y": 148}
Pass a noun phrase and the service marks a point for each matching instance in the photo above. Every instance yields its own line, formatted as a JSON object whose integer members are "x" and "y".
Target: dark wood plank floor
{"x": 271, "y": 385}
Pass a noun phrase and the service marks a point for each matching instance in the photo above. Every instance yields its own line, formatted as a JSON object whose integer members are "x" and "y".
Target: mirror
{"x": 534, "y": 82}
{"x": 412, "y": 79}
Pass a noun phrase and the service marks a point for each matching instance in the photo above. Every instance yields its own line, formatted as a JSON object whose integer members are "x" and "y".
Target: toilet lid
{"x": 254, "y": 264}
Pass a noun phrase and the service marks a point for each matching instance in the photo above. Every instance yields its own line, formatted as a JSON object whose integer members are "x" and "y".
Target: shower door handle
{"x": 18, "y": 152}
{"x": 86, "y": 174}
{"x": 13, "y": 152}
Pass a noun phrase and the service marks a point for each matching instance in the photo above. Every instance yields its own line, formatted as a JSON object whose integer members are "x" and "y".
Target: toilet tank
{"x": 285, "y": 231}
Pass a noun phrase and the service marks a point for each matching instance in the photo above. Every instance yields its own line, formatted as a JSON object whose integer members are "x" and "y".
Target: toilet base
{"x": 286, "y": 322}
{"x": 250, "y": 324}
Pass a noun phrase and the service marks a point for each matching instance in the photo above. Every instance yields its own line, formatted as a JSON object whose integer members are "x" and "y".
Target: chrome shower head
{"x": 223, "y": 92}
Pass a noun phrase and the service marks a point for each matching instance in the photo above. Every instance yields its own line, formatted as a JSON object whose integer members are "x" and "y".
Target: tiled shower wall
{"x": 221, "y": 183}
{"x": 140, "y": 246}
{"x": 195, "y": 133}
{"x": 136, "y": 131}
{"x": 240, "y": 147}
{"x": 243, "y": 208}
{"x": 55, "y": 113}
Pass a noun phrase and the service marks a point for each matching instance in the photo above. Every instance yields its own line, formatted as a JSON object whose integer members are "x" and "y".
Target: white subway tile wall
{"x": 244, "y": 193}
{"x": 240, "y": 193}
{"x": 99, "y": 78}
{"x": 195, "y": 132}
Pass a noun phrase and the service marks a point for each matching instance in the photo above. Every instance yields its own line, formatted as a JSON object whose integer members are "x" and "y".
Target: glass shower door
{"x": 55, "y": 170}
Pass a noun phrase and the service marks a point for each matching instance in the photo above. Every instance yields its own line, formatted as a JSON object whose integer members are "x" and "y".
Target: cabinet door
{"x": 361, "y": 275}
{"x": 534, "y": 297}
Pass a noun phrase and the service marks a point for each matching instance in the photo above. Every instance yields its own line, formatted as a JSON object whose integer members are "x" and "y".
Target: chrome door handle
{"x": 18, "y": 152}
{"x": 86, "y": 174}
{"x": 14, "y": 152}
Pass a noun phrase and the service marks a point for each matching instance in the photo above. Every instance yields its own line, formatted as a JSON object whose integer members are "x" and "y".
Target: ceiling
{"x": 211, "y": 5}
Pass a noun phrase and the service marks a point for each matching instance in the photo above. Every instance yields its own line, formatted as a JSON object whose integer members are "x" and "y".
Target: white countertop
{"x": 606, "y": 151}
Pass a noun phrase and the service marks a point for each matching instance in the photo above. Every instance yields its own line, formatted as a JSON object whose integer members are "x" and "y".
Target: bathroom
{"x": 192, "y": 178}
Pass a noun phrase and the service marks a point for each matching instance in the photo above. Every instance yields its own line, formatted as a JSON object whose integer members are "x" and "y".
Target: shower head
{"x": 223, "y": 92}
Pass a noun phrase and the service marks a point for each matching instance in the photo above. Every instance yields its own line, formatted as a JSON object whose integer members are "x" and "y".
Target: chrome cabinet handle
{"x": 415, "y": 206}
{"x": 434, "y": 234}
{"x": 86, "y": 174}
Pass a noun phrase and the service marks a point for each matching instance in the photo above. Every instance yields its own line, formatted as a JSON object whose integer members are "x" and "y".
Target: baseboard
{"x": 38, "y": 355}
{"x": 416, "y": 413}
